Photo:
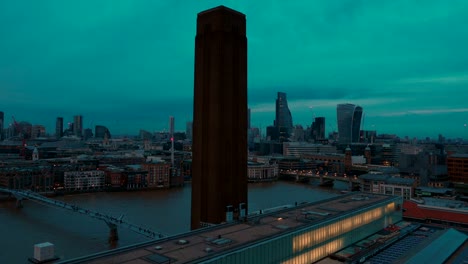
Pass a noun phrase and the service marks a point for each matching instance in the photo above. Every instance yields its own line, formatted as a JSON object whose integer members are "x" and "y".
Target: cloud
{"x": 307, "y": 105}
{"x": 422, "y": 112}
{"x": 451, "y": 79}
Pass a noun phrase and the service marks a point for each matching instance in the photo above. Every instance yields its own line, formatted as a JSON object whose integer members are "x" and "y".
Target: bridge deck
{"x": 110, "y": 220}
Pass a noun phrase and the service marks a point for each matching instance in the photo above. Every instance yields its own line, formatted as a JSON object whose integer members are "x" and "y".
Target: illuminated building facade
{"x": 316, "y": 241}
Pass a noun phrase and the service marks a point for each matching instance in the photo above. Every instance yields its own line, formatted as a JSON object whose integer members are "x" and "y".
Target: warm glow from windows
{"x": 313, "y": 237}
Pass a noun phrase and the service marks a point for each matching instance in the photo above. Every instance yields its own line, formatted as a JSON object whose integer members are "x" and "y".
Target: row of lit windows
{"x": 319, "y": 235}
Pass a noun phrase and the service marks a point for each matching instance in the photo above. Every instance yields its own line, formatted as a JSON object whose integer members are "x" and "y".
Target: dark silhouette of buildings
{"x": 283, "y": 121}
{"x": 219, "y": 168}
{"x": 349, "y": 123}
{"x": 59, "y": 127}
{"x": 318, "y": 129}
{"x": 78, "y": 126}
{"x": 101, "y": 132}
{"x": 2, "y": 120}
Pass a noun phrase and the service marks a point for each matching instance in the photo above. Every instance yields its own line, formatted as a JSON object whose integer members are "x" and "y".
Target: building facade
{"x": 159, "y": 174}
{"x": 220, "y": 118}
{"x": 101, "y": 131}
{"x": 283, "y": 121}
{"x": 318, "y": 129}
{"x": 78, "y": 125}
{"x": 349, "y": 123}
{"x": 59, "y": 127}
{"x": 258, "y": 172}
{"x": 386, "y": 184}
{"x": 38, "y": 131}
{"x": 84, "y": 180}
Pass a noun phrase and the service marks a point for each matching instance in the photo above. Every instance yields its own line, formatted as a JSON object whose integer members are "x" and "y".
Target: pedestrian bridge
{"x": 112, "y": 222}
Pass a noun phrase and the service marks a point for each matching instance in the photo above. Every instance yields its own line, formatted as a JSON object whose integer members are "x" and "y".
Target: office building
{"x": 457, "y": 165}
{"x": 38, "y": 131}
{"x": 59, "y": 127}
{"x": 78, "y": 126}
{"x": 349, "y": 123}
{"x": 283, "y": 121}
{"x": 318, "y": 129}
{"x": 219, "y": 168}
{"x": 101, "y": 132}
{"x": 188, "y": 130}
{"x": 84, "y": 180}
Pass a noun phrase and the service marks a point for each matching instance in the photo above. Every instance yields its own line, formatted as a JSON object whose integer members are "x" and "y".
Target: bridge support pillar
{"x": 113, "y": 234}
{"x": 19, "y": 203}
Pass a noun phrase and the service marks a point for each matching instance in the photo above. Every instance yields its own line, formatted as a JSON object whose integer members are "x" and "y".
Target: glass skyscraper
{"x": 283, "y": 121}
{"x": 349, "y": 122}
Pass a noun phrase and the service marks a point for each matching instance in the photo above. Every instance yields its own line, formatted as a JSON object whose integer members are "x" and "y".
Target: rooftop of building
{"x": 464, "y": 156}
{"x": 220, "y": 8}
{"x": 387, "y": 179}
{"x": 259, "y": 226}
{"x": 440, "y": 212}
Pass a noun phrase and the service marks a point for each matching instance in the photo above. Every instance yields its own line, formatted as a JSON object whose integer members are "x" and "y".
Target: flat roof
{"x": 458, "y": 156}
{"x": 217, "y": 240}
{"x": 441, "y": 248}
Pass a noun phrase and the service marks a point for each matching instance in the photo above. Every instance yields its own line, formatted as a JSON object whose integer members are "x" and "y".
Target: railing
{"x": 111, "y": 221}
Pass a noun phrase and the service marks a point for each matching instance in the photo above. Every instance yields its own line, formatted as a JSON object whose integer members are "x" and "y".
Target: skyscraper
{"x": 349, "y": 123}
{"x": 219, "y": 162}
{"x": 2, "y": 118}
{"x": 188, "y": 130}
{"x": 283, "y": 121}
{"x": 318, "y": 128}
{"x": 59, "y": 127}
{"x": 78, "y": 126}
{"x": 101, "y": 132}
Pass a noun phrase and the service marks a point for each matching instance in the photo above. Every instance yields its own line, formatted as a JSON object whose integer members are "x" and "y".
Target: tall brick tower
{"x": 219, "y": 150}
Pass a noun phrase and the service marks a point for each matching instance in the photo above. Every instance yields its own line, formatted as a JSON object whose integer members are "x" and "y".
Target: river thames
{"x": 165, "y": 211}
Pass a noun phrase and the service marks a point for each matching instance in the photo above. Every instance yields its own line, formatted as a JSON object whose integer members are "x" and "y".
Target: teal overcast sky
{"x": 129, "y": 64}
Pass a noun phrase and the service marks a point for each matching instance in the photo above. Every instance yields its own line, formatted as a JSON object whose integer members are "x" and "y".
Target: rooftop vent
{"x": 182, "y": 242}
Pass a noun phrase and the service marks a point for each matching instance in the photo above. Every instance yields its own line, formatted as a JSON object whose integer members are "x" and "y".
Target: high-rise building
{"x": 219, "y": 159}
{"x": 189, "y": 130}
{"x": 38, "y": 131}
{"x": 78, "y": 125}
{"x": 318, "y": 128}
{"x": 283, "y": 121}
{"x": 349, "y": 123}
{"x": 101, "y": 132}
{"x": 2, "y": 118}
{"x": 87, "y": 133}
{"x": 59, "y": 127}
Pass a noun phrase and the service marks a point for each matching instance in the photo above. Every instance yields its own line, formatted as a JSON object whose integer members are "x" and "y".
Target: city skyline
{"x": 128, "y": 67}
